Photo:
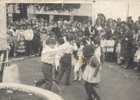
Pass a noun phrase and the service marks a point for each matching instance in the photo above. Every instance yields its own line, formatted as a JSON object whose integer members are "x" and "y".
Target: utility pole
{"x": 128, "y": 7}
{"x": 93, "y": 12}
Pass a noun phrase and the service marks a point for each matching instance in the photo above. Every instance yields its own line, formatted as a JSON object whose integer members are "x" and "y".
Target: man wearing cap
{"x": 28, "y": 39}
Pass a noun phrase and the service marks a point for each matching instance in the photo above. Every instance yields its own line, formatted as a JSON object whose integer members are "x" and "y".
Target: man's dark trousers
{"x": 28, "y": 48}
{"x": 65, "y": 68}
{"x": 47, "y": 72}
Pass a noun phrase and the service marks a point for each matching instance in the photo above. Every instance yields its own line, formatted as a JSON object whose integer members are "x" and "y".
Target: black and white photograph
{"x": 70, "y": 50}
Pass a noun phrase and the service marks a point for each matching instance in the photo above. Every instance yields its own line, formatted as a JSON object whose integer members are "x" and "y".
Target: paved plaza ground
{"x": 116, "y": 84}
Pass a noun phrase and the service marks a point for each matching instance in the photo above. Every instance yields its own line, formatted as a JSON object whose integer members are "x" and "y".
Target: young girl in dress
{"x": 91, "y": 73}
{"x": 21, "y": 40}
{"x": 77, "y": 69}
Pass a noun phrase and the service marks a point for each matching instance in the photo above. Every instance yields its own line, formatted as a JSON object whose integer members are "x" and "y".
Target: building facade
{"x": 81, "y": 14}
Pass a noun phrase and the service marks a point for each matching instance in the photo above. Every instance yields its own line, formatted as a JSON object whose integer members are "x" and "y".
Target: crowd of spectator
{"x": 119, "y": 40}
{"x": 25, "y": 37}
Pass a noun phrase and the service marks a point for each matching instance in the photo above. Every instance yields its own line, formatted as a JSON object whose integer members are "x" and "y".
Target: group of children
{"x": 57, "y": 58}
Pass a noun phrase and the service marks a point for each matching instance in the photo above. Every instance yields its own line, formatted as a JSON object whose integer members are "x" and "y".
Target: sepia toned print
{"x": 69, "y": 50}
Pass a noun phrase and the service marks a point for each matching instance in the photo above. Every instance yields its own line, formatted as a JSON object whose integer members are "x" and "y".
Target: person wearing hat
{"x": 29, "y": 39}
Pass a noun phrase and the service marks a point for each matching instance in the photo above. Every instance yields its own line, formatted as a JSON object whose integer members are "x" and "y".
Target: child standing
{"x": 110, "y": 49}
{"x": 77, "y": 69}
{"x": 21, "y": 40}
{"x": 91, "y": 73}
{"x": 28, "y": 39}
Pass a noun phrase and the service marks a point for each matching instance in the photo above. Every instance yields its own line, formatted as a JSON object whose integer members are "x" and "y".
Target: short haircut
{"x": 61, "y": 40}
{"x": 69, "y": 37}
{"x": 96, "y": 40}
{"x": 84, "y": 41}
{"x": 88, "y": 50}
{"x": 50, "y": 40}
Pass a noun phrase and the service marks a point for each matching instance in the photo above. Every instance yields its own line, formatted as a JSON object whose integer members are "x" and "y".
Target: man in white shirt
{"x": 48, "y": 60}
{"x": 65, "y": 62}
{"x": 28, "y": 40}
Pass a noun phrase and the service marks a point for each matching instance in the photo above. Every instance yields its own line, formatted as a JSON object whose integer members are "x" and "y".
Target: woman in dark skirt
{"x": 91, "y": 73}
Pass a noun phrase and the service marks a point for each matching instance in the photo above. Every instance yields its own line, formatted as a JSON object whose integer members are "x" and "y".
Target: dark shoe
{"x": 67, "y": 84}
